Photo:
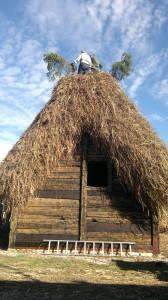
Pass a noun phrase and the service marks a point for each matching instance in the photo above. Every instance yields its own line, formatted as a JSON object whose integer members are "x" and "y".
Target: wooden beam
{"x": 13, "y": 227}
{"x": 155, "y": 236}
{"x": 59, "y": 194}
{"x": 83, "y": 198}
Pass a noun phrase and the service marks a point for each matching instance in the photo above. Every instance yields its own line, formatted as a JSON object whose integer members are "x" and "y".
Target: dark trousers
{"x": 83, "y": 68}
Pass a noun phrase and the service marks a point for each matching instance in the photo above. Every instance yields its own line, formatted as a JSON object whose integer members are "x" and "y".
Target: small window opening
{"x": 97, "y": 173}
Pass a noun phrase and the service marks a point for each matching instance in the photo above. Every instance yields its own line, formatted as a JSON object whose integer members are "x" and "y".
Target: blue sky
{"x": 30, "y": 28}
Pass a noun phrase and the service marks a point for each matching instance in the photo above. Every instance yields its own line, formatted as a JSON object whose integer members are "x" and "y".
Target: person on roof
{"x": 84, "y": 61}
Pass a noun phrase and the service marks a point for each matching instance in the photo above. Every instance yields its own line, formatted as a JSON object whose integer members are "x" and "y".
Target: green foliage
{"x": 96, "y": 65}
{"x": 123, "y": 68}
{"x": 56, "y": 65}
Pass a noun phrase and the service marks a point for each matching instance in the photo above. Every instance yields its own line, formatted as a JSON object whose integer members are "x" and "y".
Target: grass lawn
{"x": 25, "y": 276}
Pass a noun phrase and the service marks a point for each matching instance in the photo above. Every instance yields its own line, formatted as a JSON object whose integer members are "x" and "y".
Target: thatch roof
{"x": 96, "y": 104}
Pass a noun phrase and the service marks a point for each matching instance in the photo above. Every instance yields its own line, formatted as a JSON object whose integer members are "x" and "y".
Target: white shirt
{"x": 84, "y": 58}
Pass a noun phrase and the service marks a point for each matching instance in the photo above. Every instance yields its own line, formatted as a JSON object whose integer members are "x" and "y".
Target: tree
{"x": 123, "y": 68}
{"x": 56, "y": 65}
{"x": 96, "y": 65}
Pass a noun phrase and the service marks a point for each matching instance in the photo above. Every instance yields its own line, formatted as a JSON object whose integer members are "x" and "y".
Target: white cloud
{"x": 4, "y": 149}
{"x": 24, "y": 87}
{"x": 14, "y": 116}
{"x": 161, "y": 90}
{"x": 157, "y": 117}
{"x": 160, "y": 14}
{"x": 135, "y": 85}
{"x": 151, "y": 66}
{"x": 96, "y": 23}
{"x": 127, "y": 17}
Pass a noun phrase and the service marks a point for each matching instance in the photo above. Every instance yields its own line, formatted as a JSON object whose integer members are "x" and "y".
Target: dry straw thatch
{"x": 92, "y": 103}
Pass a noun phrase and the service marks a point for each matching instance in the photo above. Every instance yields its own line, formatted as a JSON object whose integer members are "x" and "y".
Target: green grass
{"x": 44, "y": 277}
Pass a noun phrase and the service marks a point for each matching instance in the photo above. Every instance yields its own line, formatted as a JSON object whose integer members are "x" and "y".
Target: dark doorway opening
{"x": 4, "y": 230}
{"x": 97, "y": 173}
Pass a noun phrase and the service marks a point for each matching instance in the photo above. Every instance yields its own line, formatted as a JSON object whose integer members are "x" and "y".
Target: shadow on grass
{"x": 158, "y": 268}
{"x": 79, "y": 290}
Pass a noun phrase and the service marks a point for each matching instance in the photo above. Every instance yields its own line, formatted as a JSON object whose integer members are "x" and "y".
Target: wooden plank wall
{"x": 164, "y": 243}
{"x": 55, "y": 212}
{"x": 113, "y": 216}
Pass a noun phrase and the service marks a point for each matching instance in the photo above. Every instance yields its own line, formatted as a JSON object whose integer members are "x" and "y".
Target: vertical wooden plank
{"x": 155, "y": 236}
{"x": 83, "y": 198}
{"x": 13, "y": 227}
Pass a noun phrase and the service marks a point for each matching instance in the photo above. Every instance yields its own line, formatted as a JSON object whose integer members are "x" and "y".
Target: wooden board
{"x": 59, "y": 226}
{"x": 96, "y": 197}
{"x": 59, "y": 194}
{"x": 28, "y": 240}
{"x": 66, "y": 181}
{"x": 164, "y": 243}
{"x": 47, "y": 231}
{"x": 69, "y": 169}
{"x": 46, "y": 218}
{"x": 54, "y": 222}
{"x": 112, "y": 227}
{"x": 140, "y": 238}
{"x": 47, "y": 211}
{"x": 62, "y": 186}
{"x": 66, "y": 175}
{"x": 69, "y": 163}
{"x": 49, "y": 202}
{"x": 83, "y": 194}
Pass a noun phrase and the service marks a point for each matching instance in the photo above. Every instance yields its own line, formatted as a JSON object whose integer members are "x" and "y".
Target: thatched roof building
{"x": 92, "y": 105}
